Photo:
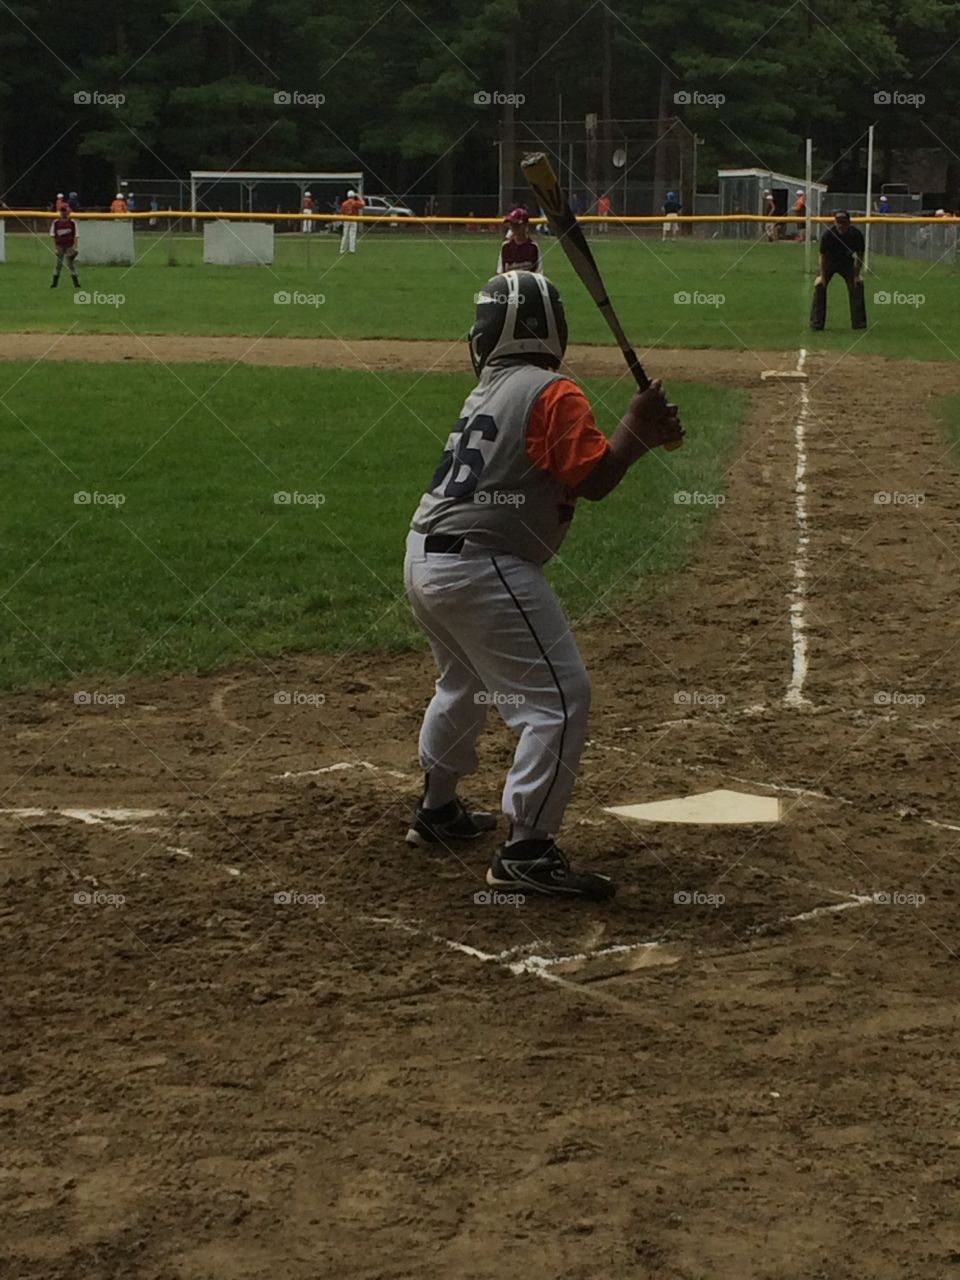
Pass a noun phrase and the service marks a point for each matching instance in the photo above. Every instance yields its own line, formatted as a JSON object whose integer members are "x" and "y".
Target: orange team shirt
{"x": 603, "y": 205}
{"x": 351, "y": 207}
{"x": 118, "y": 206}
{"x": 562, "y": 434}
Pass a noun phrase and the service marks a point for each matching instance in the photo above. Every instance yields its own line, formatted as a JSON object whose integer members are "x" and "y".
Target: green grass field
{"x": 744, "y": 297}
{"x": 182, "y": 559}
{"x": 198, "y": 565}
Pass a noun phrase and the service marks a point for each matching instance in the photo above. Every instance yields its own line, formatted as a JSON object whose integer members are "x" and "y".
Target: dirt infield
{"x": 377, "y": 354}
{"x": 382, "y": 1077}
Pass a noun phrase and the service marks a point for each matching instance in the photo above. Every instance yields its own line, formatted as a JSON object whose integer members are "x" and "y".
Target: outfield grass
{"x": 198, "y": 565}
{"x": 423, "y": 288}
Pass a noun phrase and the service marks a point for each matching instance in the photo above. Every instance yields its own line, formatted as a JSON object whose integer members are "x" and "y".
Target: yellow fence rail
{"x": 455, "y": 220}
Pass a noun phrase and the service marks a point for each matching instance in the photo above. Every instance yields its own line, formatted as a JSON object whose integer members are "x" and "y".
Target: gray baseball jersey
{"x": 486, "y": 486}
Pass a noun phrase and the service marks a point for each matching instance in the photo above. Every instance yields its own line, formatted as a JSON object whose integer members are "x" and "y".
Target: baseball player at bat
{"x": 524, "y": 450}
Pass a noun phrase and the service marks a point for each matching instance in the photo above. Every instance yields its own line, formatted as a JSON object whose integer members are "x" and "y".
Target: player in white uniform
{"x": 523, "y": 450}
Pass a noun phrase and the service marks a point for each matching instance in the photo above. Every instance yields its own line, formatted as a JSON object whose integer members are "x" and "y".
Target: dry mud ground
{"x": 202, "y": 1083}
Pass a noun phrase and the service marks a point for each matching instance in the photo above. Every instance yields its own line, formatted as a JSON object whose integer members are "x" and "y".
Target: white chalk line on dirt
{"x": 338, "y": 768}
{"x": 89, "y": 817}
{"x": 794, "y": 696}
{"x": 539, "y": 966}
{"x": 125, "y": 819}
{"x": 534, "y": 964}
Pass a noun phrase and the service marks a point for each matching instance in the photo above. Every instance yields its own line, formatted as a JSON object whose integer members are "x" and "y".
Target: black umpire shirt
{"x": 839, "y": 248}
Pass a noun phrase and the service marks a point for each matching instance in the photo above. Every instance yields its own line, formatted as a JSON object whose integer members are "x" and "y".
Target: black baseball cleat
{"x": 540, "y": 867}
{"x": 54, "y": 282}
{"x": 450, "y": 822}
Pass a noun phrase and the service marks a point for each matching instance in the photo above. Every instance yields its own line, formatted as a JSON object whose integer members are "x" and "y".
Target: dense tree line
{"x": 400, "y": 81}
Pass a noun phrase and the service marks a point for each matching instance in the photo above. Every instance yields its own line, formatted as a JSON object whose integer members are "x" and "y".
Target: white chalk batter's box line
{"x": 113, "y": 819}
{"x": 517, "y": 960}
{"x": 523, "y": 959}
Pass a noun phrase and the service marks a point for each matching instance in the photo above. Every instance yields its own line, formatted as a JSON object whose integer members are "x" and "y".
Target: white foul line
{"x": 794, "y": 696}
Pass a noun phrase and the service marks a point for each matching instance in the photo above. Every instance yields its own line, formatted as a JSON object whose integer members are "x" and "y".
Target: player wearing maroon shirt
{"x": 65, "y": 245}
{"x": 519, "y": 252}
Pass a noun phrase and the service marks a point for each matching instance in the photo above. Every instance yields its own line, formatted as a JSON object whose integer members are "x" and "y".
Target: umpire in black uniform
{"x": 841, "y": 254}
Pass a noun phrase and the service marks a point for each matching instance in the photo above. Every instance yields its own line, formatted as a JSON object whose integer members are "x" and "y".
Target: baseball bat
{"x": 538, "y": 171}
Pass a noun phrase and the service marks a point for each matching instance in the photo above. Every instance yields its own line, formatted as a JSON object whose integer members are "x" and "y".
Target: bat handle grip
{"x": 636, "y": 368}
{"x": 640, "y": 374}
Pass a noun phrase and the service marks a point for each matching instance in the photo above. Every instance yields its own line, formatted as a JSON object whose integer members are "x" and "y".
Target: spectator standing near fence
{"x": 604, "y": 205}
{"x": 306, "y": 226}
{"x": 671, "y": 214}
{"x": 800, "y": 211}
{"x": 118, "y": 204}
{"x": 769, "y": 211}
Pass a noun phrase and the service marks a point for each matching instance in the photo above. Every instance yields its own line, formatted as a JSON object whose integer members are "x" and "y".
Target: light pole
{"x": 697, "y": 142}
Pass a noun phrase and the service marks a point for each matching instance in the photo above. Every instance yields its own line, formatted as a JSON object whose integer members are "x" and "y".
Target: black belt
{"x": 443, "y": 544}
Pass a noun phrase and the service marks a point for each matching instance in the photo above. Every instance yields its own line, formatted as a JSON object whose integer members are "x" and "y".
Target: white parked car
{"x": 383, "y": 206}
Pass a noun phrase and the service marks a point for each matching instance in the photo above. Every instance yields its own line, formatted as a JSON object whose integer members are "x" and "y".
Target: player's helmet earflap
{"x": 519, "y": 313}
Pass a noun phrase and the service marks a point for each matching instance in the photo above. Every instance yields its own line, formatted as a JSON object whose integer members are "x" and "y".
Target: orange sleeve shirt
{"x": 562, "y": 434}
{"x": 351, "y": 207}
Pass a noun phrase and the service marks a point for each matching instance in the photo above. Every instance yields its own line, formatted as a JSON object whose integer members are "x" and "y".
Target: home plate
{"x": 716, "y": 807}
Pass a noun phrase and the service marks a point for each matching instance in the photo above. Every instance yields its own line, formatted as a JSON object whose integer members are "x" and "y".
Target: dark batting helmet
{"x": 518, "y": 314}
